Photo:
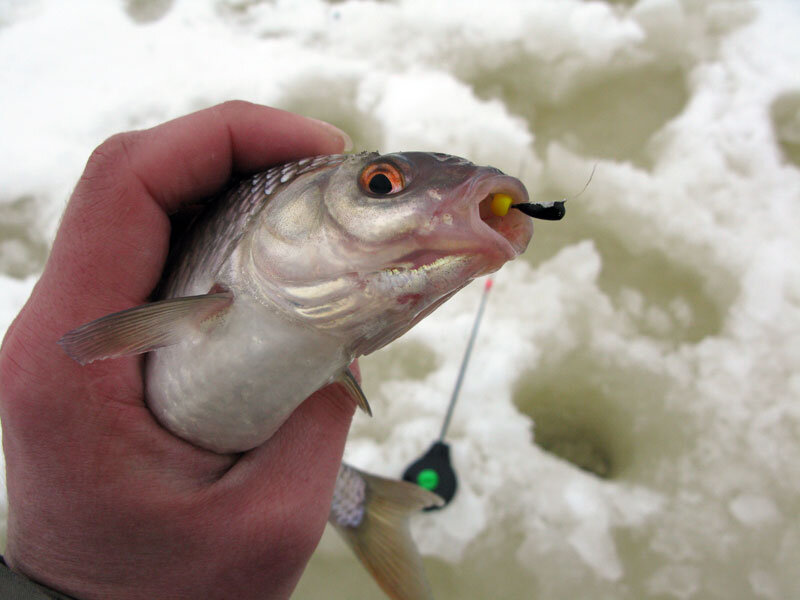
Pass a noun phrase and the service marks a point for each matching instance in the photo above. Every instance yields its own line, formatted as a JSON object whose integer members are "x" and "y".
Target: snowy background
{"x": 630, "y": 425}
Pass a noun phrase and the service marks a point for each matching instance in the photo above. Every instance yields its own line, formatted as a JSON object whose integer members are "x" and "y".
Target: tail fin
{"x": 382, "y": 540}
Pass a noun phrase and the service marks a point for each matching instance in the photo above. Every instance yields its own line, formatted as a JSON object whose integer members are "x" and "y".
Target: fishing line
{"x": 433, "y": 470}
{"x": 550, "y": 211}
{"x": 465, "y": 361}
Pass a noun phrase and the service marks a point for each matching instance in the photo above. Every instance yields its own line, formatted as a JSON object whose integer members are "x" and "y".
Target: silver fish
{"x": 287, "y": 278}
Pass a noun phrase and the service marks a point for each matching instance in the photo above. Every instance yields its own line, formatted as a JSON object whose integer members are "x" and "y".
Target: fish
{"x": 287, "y": 277}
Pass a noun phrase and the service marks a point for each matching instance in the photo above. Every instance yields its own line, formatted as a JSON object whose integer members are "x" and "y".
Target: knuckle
{"x": 235, "y": 110}
{"x": 113, "y": 150}
{"x": 109, "y": 157}
{"x": 102, "y": 183}
{"x": 234, "y": 106}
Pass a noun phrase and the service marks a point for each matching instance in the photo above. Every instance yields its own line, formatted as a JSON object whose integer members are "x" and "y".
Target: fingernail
{"x": 335, "y": 131}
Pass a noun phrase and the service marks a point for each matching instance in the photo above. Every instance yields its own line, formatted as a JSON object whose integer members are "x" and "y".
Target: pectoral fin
{"x": 141, "y": 328}
{"x": 348, "y": 380}
{"x": 382, "y": 540}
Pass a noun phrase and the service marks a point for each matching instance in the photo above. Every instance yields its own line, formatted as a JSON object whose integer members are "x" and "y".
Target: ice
{"x": 630, "y": 423}
{"x": 753, "y": 510}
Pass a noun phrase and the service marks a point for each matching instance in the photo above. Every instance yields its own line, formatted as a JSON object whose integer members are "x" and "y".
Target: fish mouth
{"x": 508, "y": 235}
{"x": 476, "y": 234}
{"x": 472, "y": 240}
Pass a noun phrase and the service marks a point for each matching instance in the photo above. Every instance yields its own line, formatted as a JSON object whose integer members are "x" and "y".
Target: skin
{"x": 104, "y": 502}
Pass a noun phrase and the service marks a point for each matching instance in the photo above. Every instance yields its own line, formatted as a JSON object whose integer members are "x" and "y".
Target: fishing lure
{"x": 553, "y": 211}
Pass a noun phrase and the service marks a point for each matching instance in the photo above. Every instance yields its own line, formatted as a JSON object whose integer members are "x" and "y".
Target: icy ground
{"x": 630, "y": 426}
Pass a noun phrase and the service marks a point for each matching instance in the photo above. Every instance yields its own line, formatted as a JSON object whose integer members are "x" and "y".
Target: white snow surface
{"x": 630, "y": 423}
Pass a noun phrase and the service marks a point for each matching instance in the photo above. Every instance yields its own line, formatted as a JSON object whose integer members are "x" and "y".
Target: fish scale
{"x": 349, "y": 496}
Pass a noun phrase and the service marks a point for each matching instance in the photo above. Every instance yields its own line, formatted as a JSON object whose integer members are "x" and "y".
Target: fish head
{"x": 378, "y": 241}
{"x": 399, "y": 205}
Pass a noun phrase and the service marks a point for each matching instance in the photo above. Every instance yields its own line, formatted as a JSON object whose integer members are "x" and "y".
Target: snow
{"x": 630, "y": 424}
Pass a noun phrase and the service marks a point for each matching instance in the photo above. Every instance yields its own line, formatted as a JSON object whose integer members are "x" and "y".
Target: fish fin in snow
{"x": 348, "y": 380}
{"x": 382, "y": 540}
{"x": 141, "y": 328}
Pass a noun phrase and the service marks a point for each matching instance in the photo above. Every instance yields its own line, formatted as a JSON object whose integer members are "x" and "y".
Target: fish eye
{"x": 380, "y": 184}
{"x": 382, "y": 179}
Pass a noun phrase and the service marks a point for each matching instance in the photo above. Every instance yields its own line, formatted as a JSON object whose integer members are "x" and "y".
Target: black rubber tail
{"x": 554, "y": 212}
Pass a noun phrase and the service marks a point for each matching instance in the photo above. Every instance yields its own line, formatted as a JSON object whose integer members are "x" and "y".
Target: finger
{"x": 113, "y": 239}
{"x": 194, "y": 155}
{"x": 320, "y": 423}
{"x": 297, "y": 466}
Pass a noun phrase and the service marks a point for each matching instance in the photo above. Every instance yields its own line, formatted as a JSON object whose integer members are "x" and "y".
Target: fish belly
{"x": 230, "y": 388}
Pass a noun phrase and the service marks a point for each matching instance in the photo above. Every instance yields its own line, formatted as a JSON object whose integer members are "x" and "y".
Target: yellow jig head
{"x": 553, "y": 211}
{"x": 500, "y": 204}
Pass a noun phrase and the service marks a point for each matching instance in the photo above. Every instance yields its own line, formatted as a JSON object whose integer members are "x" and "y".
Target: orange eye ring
{"x": 382, "y": 179}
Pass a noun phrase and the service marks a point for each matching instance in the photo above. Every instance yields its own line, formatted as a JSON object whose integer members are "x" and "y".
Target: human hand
{"x": 103, "y": 501}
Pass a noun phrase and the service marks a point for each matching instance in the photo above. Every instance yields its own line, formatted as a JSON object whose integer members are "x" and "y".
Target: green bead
{"x": 428, "y": 478}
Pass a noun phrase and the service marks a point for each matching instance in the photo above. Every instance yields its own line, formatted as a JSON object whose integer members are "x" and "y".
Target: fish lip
{"x": 508, "y": 234}
{"x": 481, "y": 239}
